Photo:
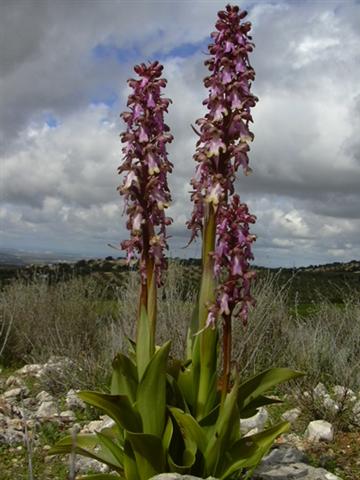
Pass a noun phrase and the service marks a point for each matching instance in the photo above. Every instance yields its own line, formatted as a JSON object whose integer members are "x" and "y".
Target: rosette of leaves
{"x": 156, "y": 430}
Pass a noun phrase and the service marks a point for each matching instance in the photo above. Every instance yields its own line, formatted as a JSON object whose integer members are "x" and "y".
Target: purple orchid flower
{"x": 145, "y": 186}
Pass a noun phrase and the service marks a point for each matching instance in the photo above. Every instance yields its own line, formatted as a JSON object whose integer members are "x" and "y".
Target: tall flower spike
{"x": 223, "y": 145}
{"x": 145, "y": 187}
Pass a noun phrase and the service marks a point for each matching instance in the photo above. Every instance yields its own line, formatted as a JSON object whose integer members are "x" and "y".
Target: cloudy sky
{"x": 63, "y": 71}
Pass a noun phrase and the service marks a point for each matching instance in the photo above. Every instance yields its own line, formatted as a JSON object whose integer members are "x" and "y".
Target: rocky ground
{"x": 33, "y": 417}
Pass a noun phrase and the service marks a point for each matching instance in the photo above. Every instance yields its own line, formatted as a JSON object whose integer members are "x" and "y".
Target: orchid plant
{"x": 181, "y": 417}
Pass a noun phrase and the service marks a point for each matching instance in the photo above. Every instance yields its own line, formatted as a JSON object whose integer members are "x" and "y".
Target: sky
{"x": 63, "y": 72}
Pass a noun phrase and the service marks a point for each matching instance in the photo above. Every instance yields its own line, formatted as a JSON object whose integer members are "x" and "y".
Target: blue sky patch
{"x": 51, "y": 121}
{"x": 106, "y": 96}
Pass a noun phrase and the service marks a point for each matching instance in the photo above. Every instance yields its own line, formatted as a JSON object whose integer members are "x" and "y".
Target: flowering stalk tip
{"x": 146, "y": 165}
{"x": 146, "y": 191}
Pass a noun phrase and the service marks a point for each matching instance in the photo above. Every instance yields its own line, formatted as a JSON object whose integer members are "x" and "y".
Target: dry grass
{"x": 76, "y": 319}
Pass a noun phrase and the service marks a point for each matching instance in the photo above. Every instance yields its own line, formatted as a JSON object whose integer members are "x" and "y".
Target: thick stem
{"x": 227, "y": 338}
{"x": 208, "y": 337}
{"x": 145, "y": 334}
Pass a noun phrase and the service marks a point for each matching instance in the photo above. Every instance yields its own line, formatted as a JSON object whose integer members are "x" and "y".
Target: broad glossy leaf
{"x": 174, "y": 395}
{"x": 259, "y": 384}
{"x": 218, "y": 437}
{"x": 255, "y": 404}
{"x": 117, "y": 407}
{"x": 149, "y": 453}
{"x": 124, "y": 377}
{"x": 130, "y": 467}
{"x": 190, "y": 429}
{"x": 168, "y": 433}
{"x": 151, "y": 394}
{"x": 85, "y": 446}
{"x": 248, "y": 451}
{"x": 188, "y": 462}
{"x": 111, "y": 449}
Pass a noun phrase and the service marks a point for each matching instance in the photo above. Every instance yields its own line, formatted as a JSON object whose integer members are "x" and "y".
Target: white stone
{"x": 14, "y": 381}
{"x": 68, "y": 414}
{"x": 44, "y": 396}
{"x": 291, "y": 415}
{"x": 253, "y": 431}
{"x": 84, "y": 465}
{"x": 257, "y": 421}
{"x": 32, "y": 370}
{"x": 319, "y": 430}
{"x": 330, "y": 404}
{"x": 47, "y": 410}
{"x": 16, "y": 393}
{"x": 98, "y": 425}
{"x": 320, "y": 391}
{"x": 73, "y": 401}
{"x": 343, "y": 393}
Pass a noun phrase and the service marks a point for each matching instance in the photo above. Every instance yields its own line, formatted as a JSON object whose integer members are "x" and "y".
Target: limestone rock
{"x": 31, "y": 370}
{"x": 44, "y": 396}
{"x": 319, "y": 430}
{"x": 320, "y": 391}
{"x": 343, "y": 393}
{"x": 68, "y": 415}
{"x": 98, "y": 425}
{"x": 257, "y": 421}
{"x": 16, "y": 393}
{"x": 73, "y": 402}
{"x": 291, "y": 415}
{"x": 47, "y": 409}
{"x": 84, "y": 465}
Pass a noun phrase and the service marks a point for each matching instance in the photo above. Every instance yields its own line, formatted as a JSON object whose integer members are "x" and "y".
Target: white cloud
{"x": 58, "y": 185}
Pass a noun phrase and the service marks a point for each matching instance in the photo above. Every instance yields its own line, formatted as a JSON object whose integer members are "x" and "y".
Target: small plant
{"x": 179, "y": 416}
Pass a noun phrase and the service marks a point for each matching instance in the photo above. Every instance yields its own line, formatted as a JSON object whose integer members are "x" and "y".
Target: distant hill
{"x": 306, "y": 283}
{"x": 14, "y": 257}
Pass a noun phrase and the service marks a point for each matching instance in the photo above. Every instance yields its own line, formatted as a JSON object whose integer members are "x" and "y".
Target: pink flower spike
{"x": 228, "y": 104}
{"x": 146, "y": 166}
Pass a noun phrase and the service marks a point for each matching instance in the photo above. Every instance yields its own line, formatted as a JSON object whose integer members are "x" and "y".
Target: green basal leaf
{"x": 219, "y": 436}
{"x": 111, "y": 449}
{"x": 149, "y": 454}
{"x": 130, "y": 467}
{"x": 259, "y": 384}
{"x": 174, "y": 395}
{"x": 255, "y": 404}
{"x": 190, "y": 429}
{"x": 118, "y": 407}
{"x": 248, "y": 451}
{"x": 188, "y": 460}
{"x": 124, "y": 379}
{"x": 211, "y": 417}
{"x": 143, "y": 342}
{"x": 168, "y": 433}
{"x": 151, "y": 394}
{"x": 85, "y": 446}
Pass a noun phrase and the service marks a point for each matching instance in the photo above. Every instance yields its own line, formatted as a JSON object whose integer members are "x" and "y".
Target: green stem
{"x": 227, "y": 338}
{"x": 146, "y": 324}
{"x": 208, "y": 337}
